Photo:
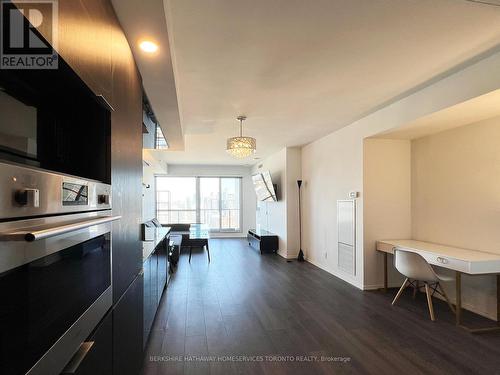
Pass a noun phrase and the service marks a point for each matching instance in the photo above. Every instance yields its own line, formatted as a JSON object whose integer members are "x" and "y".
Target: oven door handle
{"x": 76, "y": 361}
{"x": 35, "y": 235}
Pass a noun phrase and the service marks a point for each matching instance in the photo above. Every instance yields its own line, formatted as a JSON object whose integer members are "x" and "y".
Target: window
{"x": 210, "y": 202}
{"x": 214, "y": 201}
{"x": 230, "y": 203}
{"x": 176, "y": 200}
{"x": 160, "y": 141}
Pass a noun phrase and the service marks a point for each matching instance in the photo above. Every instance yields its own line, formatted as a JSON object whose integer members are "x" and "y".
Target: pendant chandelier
{"x": 241, "y": 147}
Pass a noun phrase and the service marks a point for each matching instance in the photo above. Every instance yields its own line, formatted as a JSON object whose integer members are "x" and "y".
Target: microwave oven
{"x": 50, "y": 119}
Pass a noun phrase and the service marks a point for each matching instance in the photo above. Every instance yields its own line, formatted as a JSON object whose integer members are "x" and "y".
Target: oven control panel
{"x": 30, "y": 191}
{"x": 75, "y": 194}
{"x": 103, "y": 199}
{"x": 27, "y": 197}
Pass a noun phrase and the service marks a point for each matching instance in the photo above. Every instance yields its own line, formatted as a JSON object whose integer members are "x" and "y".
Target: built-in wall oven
{"x": 55, "y": 266}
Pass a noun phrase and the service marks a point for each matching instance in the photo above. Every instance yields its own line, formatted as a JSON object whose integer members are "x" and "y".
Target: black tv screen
{"x": 264, "y": 188}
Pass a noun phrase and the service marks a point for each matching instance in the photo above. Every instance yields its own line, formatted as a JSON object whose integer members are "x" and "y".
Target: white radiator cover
{"x": 346, "y": 226}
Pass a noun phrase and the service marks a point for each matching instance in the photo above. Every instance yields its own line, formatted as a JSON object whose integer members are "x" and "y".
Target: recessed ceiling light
{"x": 148, "y": 46}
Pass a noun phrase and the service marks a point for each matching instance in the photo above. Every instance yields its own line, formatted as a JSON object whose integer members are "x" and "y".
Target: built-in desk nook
{"x": 461, "y": 261}
{"x": 433, "y": 185}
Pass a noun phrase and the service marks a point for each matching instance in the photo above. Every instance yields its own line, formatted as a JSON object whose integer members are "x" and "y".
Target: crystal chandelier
{"x": 241, "y": 147}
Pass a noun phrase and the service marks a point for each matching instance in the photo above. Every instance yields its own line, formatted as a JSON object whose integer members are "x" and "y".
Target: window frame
{"x": 198, "y": 205}
{"x": 160, "y": 142}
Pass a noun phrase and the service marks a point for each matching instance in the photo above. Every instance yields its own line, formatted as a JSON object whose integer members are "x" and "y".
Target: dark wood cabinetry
{"x": 85, "y": 39}
{"x": 126, "y": 179}
{"x": 162, "y": 270}
{"x": 95, "y": 356}
{"x": 85, "y": 33}
{"x": 128, "y": 330}
{"x": 126, "y": 163}
{"x": 155, "y": 269}
{"x": 150, "y": 269}
{"x": 91, "y": 41}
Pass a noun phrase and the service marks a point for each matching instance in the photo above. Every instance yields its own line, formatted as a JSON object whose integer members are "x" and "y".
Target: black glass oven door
{"x": 40, "y": 300}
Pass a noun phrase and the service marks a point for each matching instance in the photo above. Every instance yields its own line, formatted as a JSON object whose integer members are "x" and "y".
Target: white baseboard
{"x": 342, "y": 277}
{"x": 226, "y": 235}
{"x": 371, "y": 287}
{"x": 282, "y": 254}
{"x": 286, "y": 255}
{"x": 380, "y": 286}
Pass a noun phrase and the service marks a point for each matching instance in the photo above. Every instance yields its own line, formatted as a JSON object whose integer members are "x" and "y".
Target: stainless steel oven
{"x": 55, "y": 266}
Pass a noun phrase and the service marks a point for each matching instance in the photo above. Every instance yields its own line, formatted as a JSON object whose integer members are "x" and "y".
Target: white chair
{"x": 416, "y": 269}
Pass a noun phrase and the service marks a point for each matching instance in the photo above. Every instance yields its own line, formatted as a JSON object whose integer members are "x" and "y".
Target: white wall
{"x": 271, "y": 216}
{"x": 456, "y": 198}
{"x": 281, "y": 217}
{"x": 148, "y": 194}
{"x": 151, "y": 165}
{"x": 247, "y": 190}
{"x": 333, "y": 165}
{"x": 293, "y": 173}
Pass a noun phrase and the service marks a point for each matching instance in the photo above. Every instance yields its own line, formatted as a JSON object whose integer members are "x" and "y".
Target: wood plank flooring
{"x": 250, "y": 314}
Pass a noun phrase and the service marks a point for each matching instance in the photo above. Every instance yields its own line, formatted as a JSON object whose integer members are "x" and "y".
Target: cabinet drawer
{"x": 95, "y": 355}
{"x": 253, "y": 242}
{"x": 446, "y": 262}
{"x": 128, "y": 330}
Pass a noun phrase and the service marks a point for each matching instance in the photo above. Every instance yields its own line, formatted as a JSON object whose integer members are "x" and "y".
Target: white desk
{"x": 466, "y": 261}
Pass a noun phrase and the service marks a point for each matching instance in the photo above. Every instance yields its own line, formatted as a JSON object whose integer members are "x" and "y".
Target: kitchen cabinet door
{"x": 128, "y": 330}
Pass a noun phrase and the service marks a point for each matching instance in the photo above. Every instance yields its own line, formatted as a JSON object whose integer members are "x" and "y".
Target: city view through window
{"x": 214, "y": 201}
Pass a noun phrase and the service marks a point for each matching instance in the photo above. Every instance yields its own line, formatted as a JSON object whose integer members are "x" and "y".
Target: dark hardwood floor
{"x": 281, "y": 314}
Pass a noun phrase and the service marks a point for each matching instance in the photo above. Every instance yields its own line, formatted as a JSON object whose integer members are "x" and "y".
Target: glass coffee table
{"x": 198, "y": 237}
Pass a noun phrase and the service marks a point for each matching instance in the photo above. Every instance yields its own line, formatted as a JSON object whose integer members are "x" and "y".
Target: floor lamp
{"x": 300, "y": 258}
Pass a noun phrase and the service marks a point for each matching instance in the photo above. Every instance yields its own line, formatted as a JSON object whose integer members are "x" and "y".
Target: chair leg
{"x": 429, "y": 301}
{"x": 446, "y": 298}
{"x": 415, "y": 288}
{"x": 190, "y": 251}
{"x": 208, "y": 252}
{"x": 400, "y": 291}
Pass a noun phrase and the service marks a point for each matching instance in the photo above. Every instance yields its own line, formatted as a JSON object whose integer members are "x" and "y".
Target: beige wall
{"x": 456, "y": 187}
{"x": 387, "y": 202}
{"x": 456, "y": 198}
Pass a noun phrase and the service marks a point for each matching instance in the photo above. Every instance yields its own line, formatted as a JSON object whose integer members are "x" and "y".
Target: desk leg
{"x": 385, "y": 272}
{"x": 458, "y": 309}
{"x": 458, "y": 296}
{"x": 498, "y": 300}
{"x": 208, "y": 251}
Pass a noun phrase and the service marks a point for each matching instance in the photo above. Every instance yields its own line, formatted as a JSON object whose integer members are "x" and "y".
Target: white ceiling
{"x": 302, "y": 69}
